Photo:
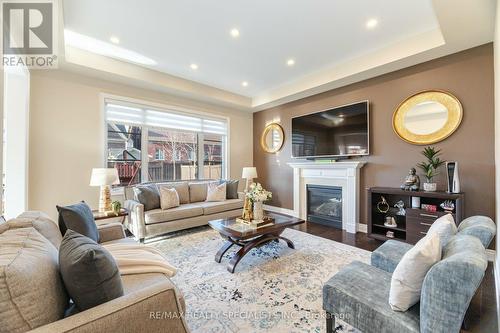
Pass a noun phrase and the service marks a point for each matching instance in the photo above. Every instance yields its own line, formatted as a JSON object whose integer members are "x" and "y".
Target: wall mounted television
{"x": 338, "y": 132}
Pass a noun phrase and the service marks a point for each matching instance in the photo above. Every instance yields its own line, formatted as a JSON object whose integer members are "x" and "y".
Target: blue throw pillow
{"x": 78, "y": 217}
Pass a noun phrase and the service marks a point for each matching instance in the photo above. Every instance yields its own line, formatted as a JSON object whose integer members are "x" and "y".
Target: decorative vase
{"x": 430, "y": 187}
{"x": 258, "y": 211}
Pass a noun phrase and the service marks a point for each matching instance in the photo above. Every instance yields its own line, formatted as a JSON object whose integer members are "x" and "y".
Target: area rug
{"x": 274, "y": 288}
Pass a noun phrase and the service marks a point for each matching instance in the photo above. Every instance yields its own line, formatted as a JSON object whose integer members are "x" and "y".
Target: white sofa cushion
{"x": 445, "y": 227}
{"x": 216, "y": 192}
{"x": 182, "y": 212}
{"x": 169, "y": 198}
{"x": 221, "y": 206}
{"x": 408, "y": 277}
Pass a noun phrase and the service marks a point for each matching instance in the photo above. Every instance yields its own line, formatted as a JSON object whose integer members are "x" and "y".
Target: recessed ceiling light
{"x": 371, "y": 23}
{"x": 114, "y": 40}
{"x": 244, "y": 84}
{"x": 235, "y": 33}
{"x": 96, "y": 46}
{"x": 290, "y": 62}
{"x": 194, "y": 66}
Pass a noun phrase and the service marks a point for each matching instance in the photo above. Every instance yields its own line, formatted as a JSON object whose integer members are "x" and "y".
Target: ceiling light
{"x": 235, "y": 33}
{"x": 371, "y": 23}
{"x": 290, "y": 62}
{"x": 244, "y": 84}
{"x": 114, "y": 40}
{"x": 194, "y": 67}
{"x": 96, "y": 46}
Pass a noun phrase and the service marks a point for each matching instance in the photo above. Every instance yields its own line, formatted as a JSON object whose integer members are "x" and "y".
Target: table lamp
{"x": 104, "y": 177}
{"x": 249, "y": 173}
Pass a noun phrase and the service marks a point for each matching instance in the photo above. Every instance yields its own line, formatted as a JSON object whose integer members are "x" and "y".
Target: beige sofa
{"x": 33, "y": 298}
{"x": 195, "y": 211}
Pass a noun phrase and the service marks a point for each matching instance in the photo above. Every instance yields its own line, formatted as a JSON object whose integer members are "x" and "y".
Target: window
{"x": 177, "y": 146}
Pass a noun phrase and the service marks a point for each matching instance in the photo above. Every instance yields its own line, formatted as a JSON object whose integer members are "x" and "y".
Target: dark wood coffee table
{"x": 247, "y": 238}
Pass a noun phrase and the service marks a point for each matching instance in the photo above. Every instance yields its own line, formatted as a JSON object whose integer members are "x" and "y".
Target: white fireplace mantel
{"x": 341, "y": 174}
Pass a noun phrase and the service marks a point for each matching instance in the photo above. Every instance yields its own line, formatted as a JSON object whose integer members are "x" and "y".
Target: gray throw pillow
{"x": 78, "y": 217}
{"x": 231, "y": 188}
{"x": 148, "y": 195}
{"x": 88, "y": 270}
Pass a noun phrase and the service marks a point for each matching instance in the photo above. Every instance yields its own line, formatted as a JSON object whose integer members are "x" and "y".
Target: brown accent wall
{"x": 468, "y": 75}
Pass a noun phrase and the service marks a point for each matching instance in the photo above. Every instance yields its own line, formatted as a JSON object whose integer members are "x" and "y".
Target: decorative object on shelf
{"x": 104, "y": 177}
{"x": 415, "y": 202}
{"x": 427, "y": 117}
{"x": 448, "y": 206}
{"x": 430, "y": 167}
{"x": 453, "y": 180}
{"x": 249, "y": 173}
{"x": 257, "y": 195}
{"x": 401, "y": 206}
{"x": 412, "y": 181}
{"x": 389, "y": 234}
{"x": 116, "y": 207}
{"x": 272, "y": 138}
{"x": 390, "y": 222}
{"x": 429, "y": 208}
{"x": 382, "y": 205}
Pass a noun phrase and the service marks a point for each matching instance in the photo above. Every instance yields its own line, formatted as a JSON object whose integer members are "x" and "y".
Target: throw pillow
{"x": 408, "y": 277}
{"x": 147, "y": 195}
{"x": 197, "y": 192}
{"x": 445, "y": 227}
{"x": 169, "y": 198}
{"x": 78, "y": 217}
{"x": 231, "y": 188}
{"x": 216, "y": 192}
{"x": 88, "y": 270}
{"x": 181, "y": 188}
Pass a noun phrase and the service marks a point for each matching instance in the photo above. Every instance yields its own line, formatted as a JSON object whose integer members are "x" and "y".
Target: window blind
{"x": 138, "y": 115}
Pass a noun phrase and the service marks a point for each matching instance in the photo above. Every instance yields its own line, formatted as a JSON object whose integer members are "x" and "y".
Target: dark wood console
{"x": 414, "y": 225}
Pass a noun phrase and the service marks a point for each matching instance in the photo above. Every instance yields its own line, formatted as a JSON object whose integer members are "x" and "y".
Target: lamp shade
{"x": 104, "y": 176}
{"x": 249, "y": 173}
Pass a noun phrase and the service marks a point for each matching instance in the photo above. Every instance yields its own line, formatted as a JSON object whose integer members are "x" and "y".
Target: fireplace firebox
{"x": 324, "y": 205}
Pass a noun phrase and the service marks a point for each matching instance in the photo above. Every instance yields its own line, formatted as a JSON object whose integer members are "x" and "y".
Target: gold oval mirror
{"x": 427, "y": 117}
{"x": 272, "y": 138}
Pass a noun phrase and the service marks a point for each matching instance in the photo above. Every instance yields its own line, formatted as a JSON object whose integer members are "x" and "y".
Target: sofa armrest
{"x": 154, "y": 308}
{"x": 135, "y": 222}
{"x": 388, "y": 255}
{"x": 110, "y": 231}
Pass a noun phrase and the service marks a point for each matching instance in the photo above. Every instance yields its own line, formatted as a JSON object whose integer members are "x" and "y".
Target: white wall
{"x": 67, "y": 135}
{"x": 497, "y": 152}
{"x": 16, "y": 125}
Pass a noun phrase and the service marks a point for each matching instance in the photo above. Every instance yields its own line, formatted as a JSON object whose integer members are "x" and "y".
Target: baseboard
{"x": 363, "y": 228}
{"x": 279, "y": 210}
{"x": 491, "y": 254}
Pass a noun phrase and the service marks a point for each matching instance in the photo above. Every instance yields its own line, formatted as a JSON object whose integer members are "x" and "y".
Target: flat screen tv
{"x": 333, "y": 133}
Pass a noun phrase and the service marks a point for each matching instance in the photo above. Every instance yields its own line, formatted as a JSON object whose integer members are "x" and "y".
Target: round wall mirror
{"x": 272, "y": 138}
{"x": 427, "y": 117}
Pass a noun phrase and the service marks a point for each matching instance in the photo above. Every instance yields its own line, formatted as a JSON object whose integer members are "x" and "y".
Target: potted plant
{"x": 430, "y": 167}
{"x": 257, "y": 195}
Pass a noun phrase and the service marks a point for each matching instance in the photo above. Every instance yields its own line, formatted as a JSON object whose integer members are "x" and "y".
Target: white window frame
{"x": 134, "y": 102}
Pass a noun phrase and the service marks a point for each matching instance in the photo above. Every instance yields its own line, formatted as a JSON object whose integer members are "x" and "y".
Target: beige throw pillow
{"x": 216, "y": 192}
{"x": 182, "y": 189}
{"x": 445, "y": 227}
{"x": 169, "y": 198}
{"x": 408, "y": 277}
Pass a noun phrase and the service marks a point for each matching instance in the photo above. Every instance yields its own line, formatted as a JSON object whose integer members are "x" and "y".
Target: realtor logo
{"x": 29, "y": 34}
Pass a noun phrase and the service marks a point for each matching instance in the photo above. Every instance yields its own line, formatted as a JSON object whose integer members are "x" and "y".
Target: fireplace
{"x": 324, "y": 205}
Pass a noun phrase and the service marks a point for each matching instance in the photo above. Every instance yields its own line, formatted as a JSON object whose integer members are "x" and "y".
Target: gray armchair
{"x": 359, "y": 293}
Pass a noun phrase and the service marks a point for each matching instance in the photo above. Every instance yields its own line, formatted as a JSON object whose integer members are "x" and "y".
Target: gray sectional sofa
{"x": 33, "y": 297}
{"x": 194, "y": 210}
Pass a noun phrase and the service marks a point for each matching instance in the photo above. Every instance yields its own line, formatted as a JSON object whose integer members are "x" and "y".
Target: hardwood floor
{"x": 481, "y": 316}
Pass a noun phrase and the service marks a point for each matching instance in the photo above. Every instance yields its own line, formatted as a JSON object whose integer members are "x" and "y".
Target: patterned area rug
{"x": 274, "y": 288}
